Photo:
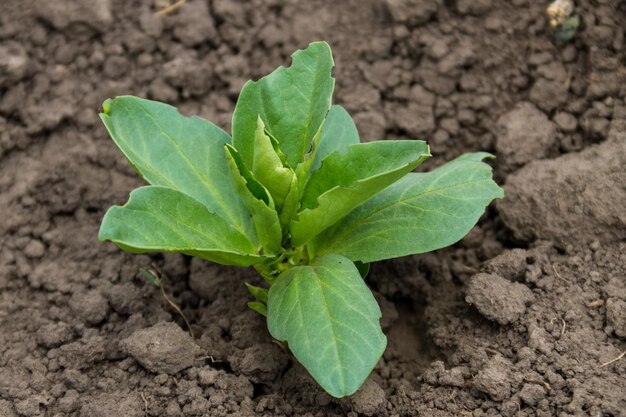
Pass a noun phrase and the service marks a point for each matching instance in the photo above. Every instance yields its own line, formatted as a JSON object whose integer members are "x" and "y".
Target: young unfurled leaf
{"x": 258, "y": 307}
{"x": 257, "y": 292}
{"x": 268, "y": 169}
{"x": 338, "y": 132}
{"x": 330, "y": 320}
{"x": 420, "y": 213}
{"x": 260, "y": 296}
{"x": 346, "y": 180}
{"x": 299, "y": 198}
{"x": 258, "y": 200}
{"x": 159, "y": 219}
{"x": 292, "y": 102}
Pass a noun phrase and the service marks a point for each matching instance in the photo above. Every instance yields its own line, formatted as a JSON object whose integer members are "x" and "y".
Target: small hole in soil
{"x": 408, "y": 341}
{"x": 260, "y": 390}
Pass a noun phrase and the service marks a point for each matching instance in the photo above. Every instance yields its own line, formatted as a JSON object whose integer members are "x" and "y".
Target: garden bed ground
{"x": 518, "y": 319}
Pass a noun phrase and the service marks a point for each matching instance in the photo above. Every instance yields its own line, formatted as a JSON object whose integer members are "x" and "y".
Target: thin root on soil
{"x": 171, "y": 8}
{"x": 145, "y": 402}
{"x": 154, "y": 270}
{"x": 621, "y": 355}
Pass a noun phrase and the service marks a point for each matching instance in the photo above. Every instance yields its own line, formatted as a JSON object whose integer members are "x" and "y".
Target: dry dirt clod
{"x": 574, "y": 199}
{"x": 97, "y": 14}
{"x": 162, "y": 348}
{"x": 494, "y": 379}
{"x": 411, "y": 12}
{"x": 616, "y": 316}
{"x": 516, "y": 143}
{"x": 498, "y": 299}
{"x": 91, "y": 306}
{"x": 369, "y": 400}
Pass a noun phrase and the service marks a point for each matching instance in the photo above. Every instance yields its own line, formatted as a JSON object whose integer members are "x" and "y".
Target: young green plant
{"x": 296, "y": 195}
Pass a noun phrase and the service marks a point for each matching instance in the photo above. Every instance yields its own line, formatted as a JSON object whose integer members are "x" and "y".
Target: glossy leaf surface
{"x": 338, "y": 132}
{"x": 259, "y": 202}
{"x": 292, "y": 102}
{"x": 346, "y": 180}
{"x": 420, "y": 213}
{"x": 181, "y": 153}
{"x": 330, "y": 320}
{"x": 159, "y": 219}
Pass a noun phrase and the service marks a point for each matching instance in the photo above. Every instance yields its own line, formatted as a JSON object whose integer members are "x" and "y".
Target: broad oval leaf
{"x": 346, "y": 180}
{"x": 330, "y": 320}
{"x": 338, "y": 132}
{"x": 292, "y": 102}
{"x": 182, "y": 153}
{"x": 159, "y": 219}
{"x": 420, "y": 213}
{"x": 258, "y": 200}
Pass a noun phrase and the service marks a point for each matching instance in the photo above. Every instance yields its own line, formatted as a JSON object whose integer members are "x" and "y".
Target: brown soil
{"x": 521, "y": 318}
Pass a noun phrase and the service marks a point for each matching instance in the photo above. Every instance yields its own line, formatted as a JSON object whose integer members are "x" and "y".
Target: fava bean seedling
{"x": 296, "y": 195}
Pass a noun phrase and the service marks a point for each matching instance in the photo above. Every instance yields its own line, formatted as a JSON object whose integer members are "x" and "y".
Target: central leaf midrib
{"x": 331, "y": 325}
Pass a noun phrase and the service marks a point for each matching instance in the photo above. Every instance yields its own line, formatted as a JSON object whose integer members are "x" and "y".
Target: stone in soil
{"x": 163, "y": 348}
{"x": 498, "y": 299}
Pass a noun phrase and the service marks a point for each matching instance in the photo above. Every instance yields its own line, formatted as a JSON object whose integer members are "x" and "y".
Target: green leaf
{"x": 346, "y": 180}
{"x": 290, "y": 205}
{"x": 257, "y": 292}
{"x": 330, "y": 320}
{"x": 292, "y": 102}
{"x": 338, "y": 132}
{"x": 420, "y": 213}
{"x": 268, "y": 169}
{"x": 260, "y": 303}
{"x": 150, "y": 276}
{"x": 258, "y": 307}
{"x": 159, "y": 219}
{"x": 258, "y": 200}
{"x": 181, "y": 153}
